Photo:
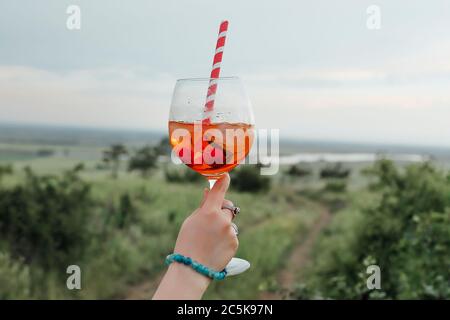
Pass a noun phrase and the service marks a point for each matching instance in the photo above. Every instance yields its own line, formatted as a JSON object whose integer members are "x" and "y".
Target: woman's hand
{"x": 207, "y": 237}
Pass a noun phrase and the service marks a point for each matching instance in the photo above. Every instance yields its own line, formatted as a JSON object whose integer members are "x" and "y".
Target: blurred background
{"x": 359, "y": 92}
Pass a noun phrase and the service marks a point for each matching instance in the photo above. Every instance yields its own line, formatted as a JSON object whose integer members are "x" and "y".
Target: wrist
{"x": 188, "y": 278}
{"x": 181, "y": 283}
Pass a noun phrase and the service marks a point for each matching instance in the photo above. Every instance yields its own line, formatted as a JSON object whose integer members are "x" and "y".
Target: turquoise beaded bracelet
{"x": 204, "y": 270}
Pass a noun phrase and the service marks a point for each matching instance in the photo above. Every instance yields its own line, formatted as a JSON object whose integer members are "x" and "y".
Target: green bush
{"x": 337, "y": 186}
{"x": 405, "y": 231}
{"x": 248, "y": 178}
{"x": 5, "y": 170}
{"x": 126, "y": 213}
{"x": 44, "y": 219}
{"x": 15, "y": 279}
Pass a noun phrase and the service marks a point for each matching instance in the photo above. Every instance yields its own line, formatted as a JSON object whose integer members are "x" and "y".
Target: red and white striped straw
{"x": 212, "y": 88}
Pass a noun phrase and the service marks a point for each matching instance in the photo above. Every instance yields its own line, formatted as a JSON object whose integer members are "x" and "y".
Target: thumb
{"x": 205, "y": 194}
{"x": 216, "y": 195}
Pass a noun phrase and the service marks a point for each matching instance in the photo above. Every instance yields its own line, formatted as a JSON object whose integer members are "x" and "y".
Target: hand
{"x": 207, "y": 237}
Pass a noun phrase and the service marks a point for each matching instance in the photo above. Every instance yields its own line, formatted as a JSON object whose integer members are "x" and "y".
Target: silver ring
{"x": 234, "y": 210}
{"x": 235, "y": 228}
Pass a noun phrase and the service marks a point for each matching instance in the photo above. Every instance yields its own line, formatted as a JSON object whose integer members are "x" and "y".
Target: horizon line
{"x": 288, "y": 139}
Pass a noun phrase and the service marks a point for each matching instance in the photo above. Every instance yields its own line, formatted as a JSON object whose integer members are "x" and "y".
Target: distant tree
{"x": 163, "y": 148}
{"x": 45, "y": 153}
{"x": 298, "y": 171}
{"x": 335, "y": 171}
{"x": 143, "y": 160}
{"x": 112, "y": 157}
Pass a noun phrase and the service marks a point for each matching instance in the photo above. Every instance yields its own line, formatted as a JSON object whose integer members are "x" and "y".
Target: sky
{"x": 312, "y": 69}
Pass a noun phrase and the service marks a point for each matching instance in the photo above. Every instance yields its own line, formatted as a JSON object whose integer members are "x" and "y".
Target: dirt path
{"x": 299, "y": 257}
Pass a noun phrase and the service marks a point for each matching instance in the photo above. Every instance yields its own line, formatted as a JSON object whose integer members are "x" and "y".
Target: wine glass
{"x": 211, "y": 141}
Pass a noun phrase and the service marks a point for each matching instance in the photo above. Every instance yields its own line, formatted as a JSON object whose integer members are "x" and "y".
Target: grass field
{"x": 287, "y": 233}
{"x": 270, "y": 225}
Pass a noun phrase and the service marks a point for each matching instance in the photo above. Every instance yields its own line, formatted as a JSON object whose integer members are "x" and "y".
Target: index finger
{"x": 216, "y": 195}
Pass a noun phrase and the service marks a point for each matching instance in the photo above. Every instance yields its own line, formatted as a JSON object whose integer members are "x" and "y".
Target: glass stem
{"x": 211, "y": 183}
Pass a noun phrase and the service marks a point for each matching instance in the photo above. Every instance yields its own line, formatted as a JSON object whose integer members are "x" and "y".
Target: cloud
{"x": 110, "y": 97}
{"x": 346, "y": 104}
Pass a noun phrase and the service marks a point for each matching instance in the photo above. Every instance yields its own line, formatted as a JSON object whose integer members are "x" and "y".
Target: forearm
{"x": 181, "y": 283}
